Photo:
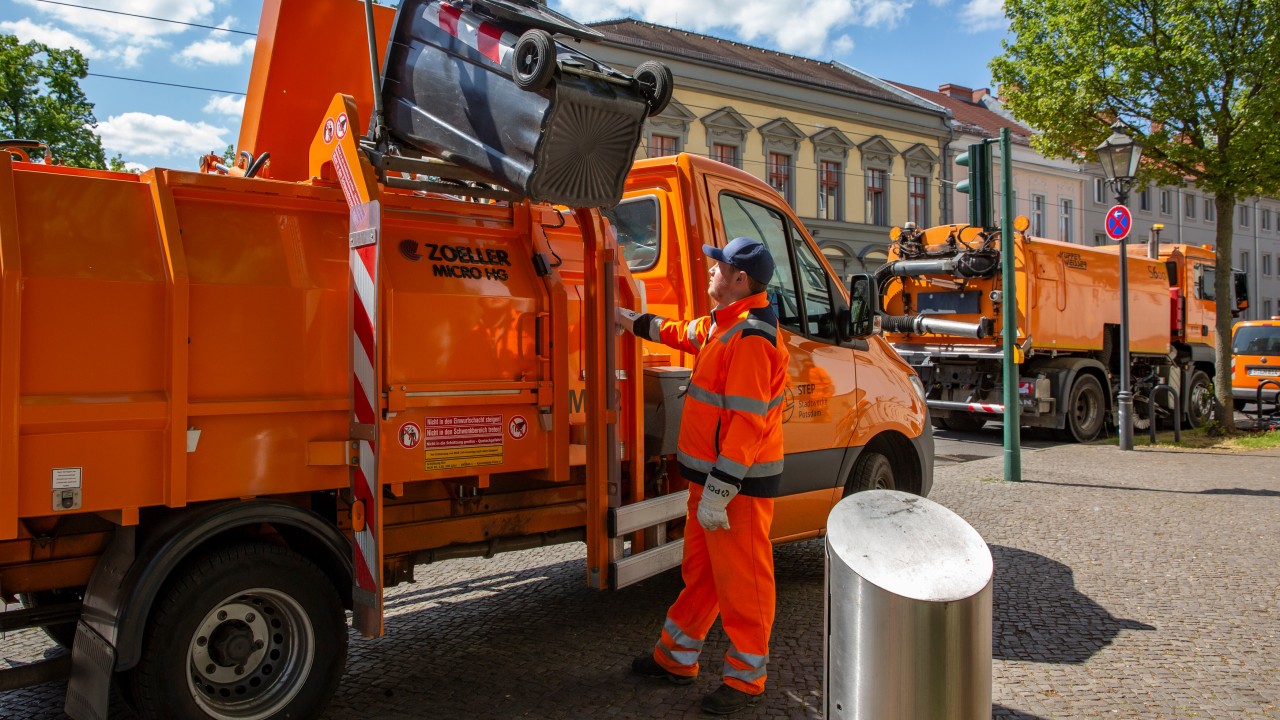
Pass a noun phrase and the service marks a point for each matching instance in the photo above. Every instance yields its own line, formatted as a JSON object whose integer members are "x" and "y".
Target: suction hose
{"x": 927, "y": 325}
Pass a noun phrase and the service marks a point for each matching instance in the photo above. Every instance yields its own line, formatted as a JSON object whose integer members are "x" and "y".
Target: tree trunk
{"x": 1223, "y": 407}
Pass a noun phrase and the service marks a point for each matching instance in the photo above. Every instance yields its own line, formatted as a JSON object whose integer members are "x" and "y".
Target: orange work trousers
{"x": 727, "y": 573}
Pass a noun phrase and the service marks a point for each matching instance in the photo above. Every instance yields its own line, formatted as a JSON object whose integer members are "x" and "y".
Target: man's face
{"x": 727, "y": 283}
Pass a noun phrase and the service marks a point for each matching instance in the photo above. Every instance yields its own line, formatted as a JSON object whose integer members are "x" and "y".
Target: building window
{"x": 829, "y": 190}
{"x": 727, "y": 154}
{"x": 1164, "y": 202}
{"x": 1266, "y": 308}
{"x": 660, "y": 145}
{"x": 779, "y": 170}
{"x": 1099, "y": 239}
{"x": 1144, "y": 200}
{"x": 1190, "y": 207}
{"x": 1266, "y": 265}
{"x": 1037, "y": 215}
{"x": 1266, "y": 219}
{"x": 1099, "y": 190}
{"x": 877, "y": 213}
{"x": 1210, "y": 210}
{"x": 918, "y": 211}
{"x": 1065, "y": 221}
{"x": 1244, "y": 216}
{"x": 1244, "y": 261}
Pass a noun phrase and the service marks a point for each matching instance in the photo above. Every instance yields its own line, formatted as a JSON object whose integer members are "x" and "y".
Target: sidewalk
{"x": 1141, "y": 584}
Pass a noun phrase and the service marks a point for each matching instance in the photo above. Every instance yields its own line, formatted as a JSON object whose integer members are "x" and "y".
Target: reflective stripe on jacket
{"x": 731, "y": 426}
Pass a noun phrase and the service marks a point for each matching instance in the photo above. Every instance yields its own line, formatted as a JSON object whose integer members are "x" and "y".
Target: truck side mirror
{"x": 1242, "y": 289}
{"x": 864, "y": 306}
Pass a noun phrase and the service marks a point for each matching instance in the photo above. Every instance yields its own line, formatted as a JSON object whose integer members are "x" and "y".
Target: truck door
{"x": 819, "y": 412}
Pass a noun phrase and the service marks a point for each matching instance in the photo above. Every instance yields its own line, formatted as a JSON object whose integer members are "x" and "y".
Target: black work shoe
{"x": 726, "y": 700}
{"x": 646, "y": 666}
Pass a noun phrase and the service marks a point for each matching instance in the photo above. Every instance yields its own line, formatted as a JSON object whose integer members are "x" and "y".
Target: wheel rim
{"x": 1086, "y": 412}
{"x": 249, "y": 655}
{"x": 884, "y": 476}
{"x": 1200, "y": 404}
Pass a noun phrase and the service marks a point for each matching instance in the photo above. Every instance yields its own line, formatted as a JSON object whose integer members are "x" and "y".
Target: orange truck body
{"x": 1068, "y": 323}
{"x": 176, "y": 375}
{"x": 1255, "y": 362}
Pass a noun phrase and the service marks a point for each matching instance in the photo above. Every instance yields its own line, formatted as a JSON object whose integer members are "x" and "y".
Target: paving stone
{"x": 1139, "y": 584}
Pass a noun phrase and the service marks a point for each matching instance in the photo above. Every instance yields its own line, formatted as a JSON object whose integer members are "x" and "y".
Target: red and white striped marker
{"x": 484, "y": 37}
{"x": 984, "y": 408}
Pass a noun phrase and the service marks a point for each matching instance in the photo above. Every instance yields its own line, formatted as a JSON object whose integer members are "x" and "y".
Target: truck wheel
{"x": 1086, "y": 406}
{"x": 656, "y": 84}
{"x": 1199, "y": 402}
{"x": 873, "y": 471}
{"x": 65, "y": 633}
{"x": 964, "y": 423}
{"x": 534, "y": 61}
{"x": 246, "y": 631}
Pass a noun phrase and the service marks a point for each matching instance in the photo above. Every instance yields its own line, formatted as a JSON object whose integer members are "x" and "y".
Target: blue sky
{"x": 920, "y": 42}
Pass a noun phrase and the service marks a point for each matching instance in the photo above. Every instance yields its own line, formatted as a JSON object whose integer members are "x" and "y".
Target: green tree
{"x": 1196, "y": 81}
{"x": 41, "y": 99}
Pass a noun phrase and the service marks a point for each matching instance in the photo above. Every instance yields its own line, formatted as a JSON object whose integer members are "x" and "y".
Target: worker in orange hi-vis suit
{"x": 730, "y": 451}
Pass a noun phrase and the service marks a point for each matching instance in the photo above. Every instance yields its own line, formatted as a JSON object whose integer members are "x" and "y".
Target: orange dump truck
{"x": 943, "y": 293}
{"x": 232, "y": 408}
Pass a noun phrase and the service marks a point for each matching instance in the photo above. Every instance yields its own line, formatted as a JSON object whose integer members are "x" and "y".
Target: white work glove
{"x": 713, "y": 511}
{"x": 626, "y": 319}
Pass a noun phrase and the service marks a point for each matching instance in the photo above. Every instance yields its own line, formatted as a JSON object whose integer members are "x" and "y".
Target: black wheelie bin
{"x": 484, "y": 85}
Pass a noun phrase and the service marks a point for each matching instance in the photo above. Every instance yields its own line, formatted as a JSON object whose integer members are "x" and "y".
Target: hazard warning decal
{"x": 409, "y": 435}
{"x": 462, "y": 441}
{"x": 518, "y": 427}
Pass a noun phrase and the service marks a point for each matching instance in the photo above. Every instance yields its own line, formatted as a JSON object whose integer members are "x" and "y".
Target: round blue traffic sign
{"x": 1119, "y": 222}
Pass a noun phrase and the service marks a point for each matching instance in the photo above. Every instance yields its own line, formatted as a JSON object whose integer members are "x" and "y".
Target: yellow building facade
{"x": 852, "y": 154}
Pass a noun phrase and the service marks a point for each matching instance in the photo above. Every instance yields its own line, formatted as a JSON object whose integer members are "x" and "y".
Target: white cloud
{"x": 842, "y": 45}
{"x": 125, "y": 38}
{"x": 26, "y": 31}
{"x": 225, "y": 105}
{"x": 135, "y": 133}
{"x": 804, "y": 28}
{"x": 217, "y": 52}
{"x": 980, "y": 15}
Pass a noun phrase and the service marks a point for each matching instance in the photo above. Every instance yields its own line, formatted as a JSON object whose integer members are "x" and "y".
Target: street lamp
{"x": 1119, "y": 156}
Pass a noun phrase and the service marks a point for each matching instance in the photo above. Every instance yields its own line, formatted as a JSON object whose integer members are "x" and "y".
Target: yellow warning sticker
{"x": 462, "y": 441}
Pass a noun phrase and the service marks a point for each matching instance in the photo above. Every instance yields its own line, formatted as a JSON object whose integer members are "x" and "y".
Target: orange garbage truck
{"x": 942, "y": 293}
{"x": 233, "y": 408}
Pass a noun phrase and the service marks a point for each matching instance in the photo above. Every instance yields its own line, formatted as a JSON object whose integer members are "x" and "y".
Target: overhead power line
{"x": 148, "y": 17}
{"x": 157, "y": 82}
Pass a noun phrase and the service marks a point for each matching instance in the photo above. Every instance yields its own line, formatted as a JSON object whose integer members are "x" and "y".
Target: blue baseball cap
{"x": 746, "y": 254}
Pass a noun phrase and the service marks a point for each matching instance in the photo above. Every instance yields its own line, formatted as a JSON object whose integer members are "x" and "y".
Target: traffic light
{"x": 978, "y": 185}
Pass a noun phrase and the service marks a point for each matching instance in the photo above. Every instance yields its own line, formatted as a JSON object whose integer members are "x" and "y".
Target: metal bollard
{"x": 908, "y": 612}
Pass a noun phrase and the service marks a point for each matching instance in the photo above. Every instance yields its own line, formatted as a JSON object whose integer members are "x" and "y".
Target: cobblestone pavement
{"x": 1143, "y": 584}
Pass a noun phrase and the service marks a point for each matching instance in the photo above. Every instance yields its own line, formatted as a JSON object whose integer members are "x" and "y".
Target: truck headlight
{"x": 919, "y": 386}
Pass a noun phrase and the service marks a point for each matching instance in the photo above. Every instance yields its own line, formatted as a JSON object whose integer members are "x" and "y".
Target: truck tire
{"x": 1199, "y": 402}
{"x": 873, "y": 471}
{"x": 964, "y": 423}
{"x": 534, "y": 61}
{"x": 1239, "y": 405}
{"x": 1086, "y": 409}
{"x": 244, "y": 631}
{"x": 63, "y": 634}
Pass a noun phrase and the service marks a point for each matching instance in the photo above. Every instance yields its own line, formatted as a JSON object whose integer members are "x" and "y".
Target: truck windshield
{"x": 1257, "y": 340}
{"x": 636, "y": 221}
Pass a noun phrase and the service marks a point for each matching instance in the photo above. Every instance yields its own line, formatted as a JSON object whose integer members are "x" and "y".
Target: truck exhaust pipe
{"x": 927, "y": 325}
